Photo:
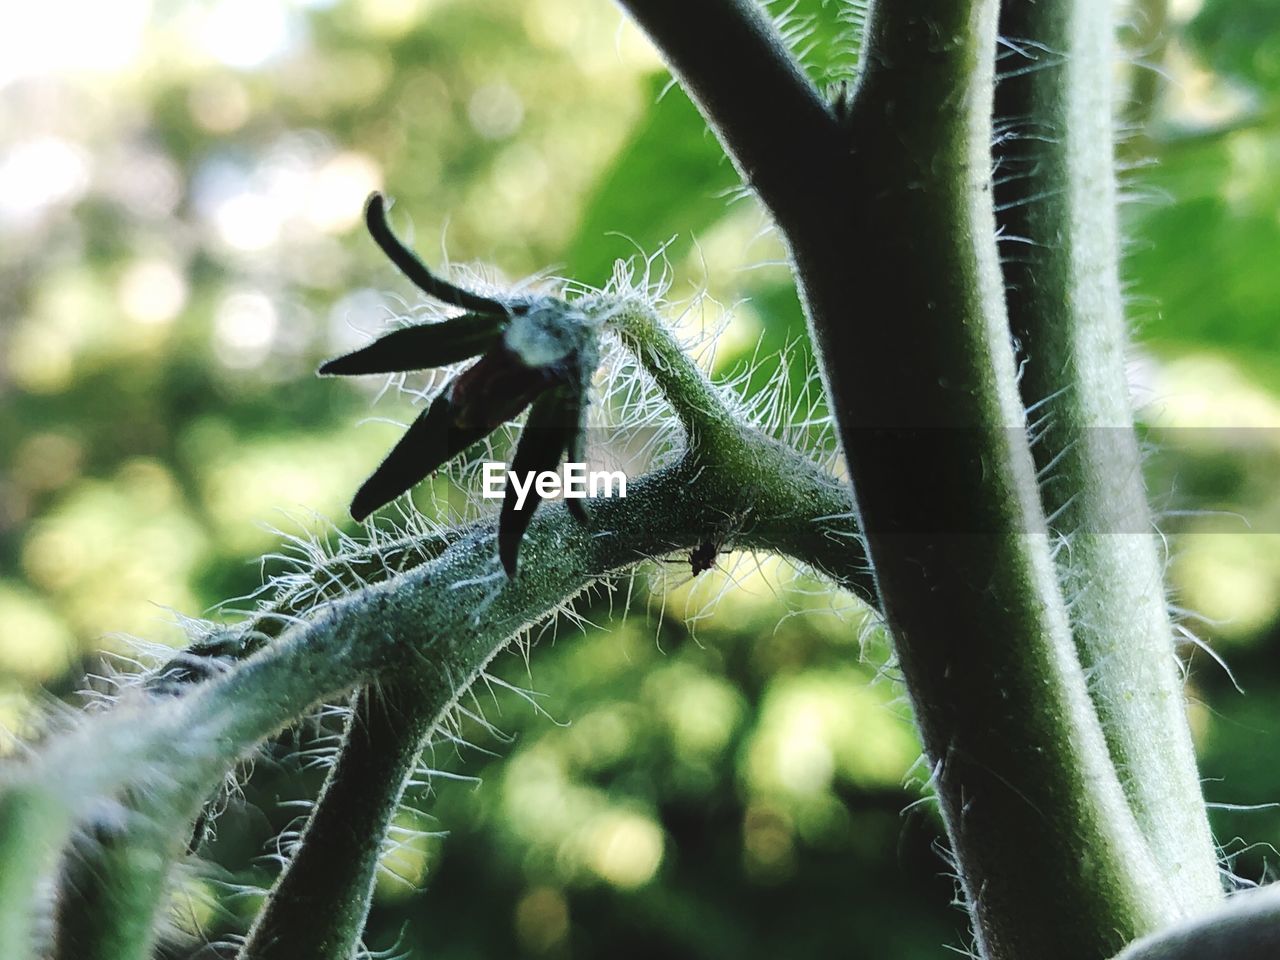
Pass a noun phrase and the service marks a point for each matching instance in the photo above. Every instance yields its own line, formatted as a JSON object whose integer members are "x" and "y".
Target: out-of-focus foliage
{"x": 180, "y": 190}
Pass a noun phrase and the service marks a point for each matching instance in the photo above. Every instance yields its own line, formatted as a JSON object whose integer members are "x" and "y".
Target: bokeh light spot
{"x": 39, "y": 173}
{"x": 244, "y": 328}
{"x": 339, "y": 189}
{"x": 542, "y": 919}
{"x": 152, "y": 291}
{"x": 34, "y": 642}
{"x": 626, "y": 849}
{"x": 495, "y": 111}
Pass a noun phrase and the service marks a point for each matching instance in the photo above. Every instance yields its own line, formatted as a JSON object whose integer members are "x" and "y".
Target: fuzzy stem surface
{"x": 436, "y": 625}
{"x": 318, "y": 905}
{"x": 894, "y": 249}
{"x": 1244, "y": 927}
{"x": 1056, "y": 197}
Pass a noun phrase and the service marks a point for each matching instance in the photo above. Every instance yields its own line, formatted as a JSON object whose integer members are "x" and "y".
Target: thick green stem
{"x": 317, "y": 907}
{"x": 28, "y": 835}
{"x": 114, "y": 876}
{"x": 906, "y": 300}
{"x": 1057, "y": 201}
{"x": 894, "y": 248}
{"x": 1245, "y": 927}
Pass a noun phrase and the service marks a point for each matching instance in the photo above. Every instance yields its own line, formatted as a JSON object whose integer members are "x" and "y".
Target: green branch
{"x": 433, "y": 628}
{"x": 387, "y": 729}
{"x": 29, "y": 837}
{"x": 905, "y": 297}
{"x": 114, "y": 876}
{"x": 115, "y": 870}
{"x": 1057, "y": 201}
{"x": 317, "y": 907}
{"x": 1246, "y": 927}
{"x": 768, "y": 115}
{"x": 891, "y": 228}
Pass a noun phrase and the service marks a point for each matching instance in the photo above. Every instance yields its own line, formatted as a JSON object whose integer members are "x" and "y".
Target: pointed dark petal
{"x": 498, "y": 388}
{"x": 375, "y": 217}
{"x": 431, "y": 440}
{"x": 575, "y": 414}
{"x": 542, "y": 443}
{"x": 421, "y": 347}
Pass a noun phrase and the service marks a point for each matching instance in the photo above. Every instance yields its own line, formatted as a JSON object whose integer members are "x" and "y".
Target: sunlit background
{"x": 180, "y": 192}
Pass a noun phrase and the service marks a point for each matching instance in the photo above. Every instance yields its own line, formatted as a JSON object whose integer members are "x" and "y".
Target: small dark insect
{"x": 534, "y": 352}
{"x": 703, "y": 557}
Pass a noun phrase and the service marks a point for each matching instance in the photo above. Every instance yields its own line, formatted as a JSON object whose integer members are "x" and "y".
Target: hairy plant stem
{"x": 736, "y": 68}
{"x": 1056, "y": 196}
{"x": 114, "y": 876}
{"x": 317, "y": 908}
{"x": 115, "y": 870}
{"x": 1049, "y": 856}
{"x": 28, "y": 840}
{"x": 337, "y": 857}
{"x": 1245, "y": 927}
{"x": 433, "y": 628}
{"x": 298, "y": 595}
{"x": 894, "y": 249}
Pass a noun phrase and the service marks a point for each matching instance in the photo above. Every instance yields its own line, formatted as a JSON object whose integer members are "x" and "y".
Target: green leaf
{"x": 1241, "y": 39}
{"x": 1207, "y": 256}
{"x": 670, "y": 180}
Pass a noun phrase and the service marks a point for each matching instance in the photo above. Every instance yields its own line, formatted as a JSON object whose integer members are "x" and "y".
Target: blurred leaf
{"x": 671, "y": 179}
{"x": 1241, "y": 39}
{"x": 1207, "y": 256}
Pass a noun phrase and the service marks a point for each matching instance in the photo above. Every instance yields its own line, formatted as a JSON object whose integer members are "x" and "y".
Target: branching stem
{"x": 433, "y": 628}
{"x": 1057, "y": 196}
{"x": 891, "y": 227}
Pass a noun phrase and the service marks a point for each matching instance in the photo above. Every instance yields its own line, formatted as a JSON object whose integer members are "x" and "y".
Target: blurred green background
{"x": 180, "y": 191}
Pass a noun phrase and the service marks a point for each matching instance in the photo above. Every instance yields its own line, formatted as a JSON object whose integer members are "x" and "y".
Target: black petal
{"x": 497, "y": 387}
{"x": 422, "y": 347}
{"x": 575, "y": 413}
{"x": 431, "y": 440}
{"x": 542, "y": 443}
{"x": 375, "y": 218}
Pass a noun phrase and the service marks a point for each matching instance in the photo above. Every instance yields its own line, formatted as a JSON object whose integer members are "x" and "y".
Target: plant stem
{"x": 295, "y": 595}
{"x": 1056, "y": 195}
{"x": 113, "y": 878}
{"x": 1049, "y": 856}
{"x": 433, "y": 627}
{"x": 895, "y": 253}
{"x": 28, "y": 834}
{"x": 115, "y": 870}
{"x": 1245, "y": 927}
{"x": 737, "y": 69}
{"x": 317, "y": 907}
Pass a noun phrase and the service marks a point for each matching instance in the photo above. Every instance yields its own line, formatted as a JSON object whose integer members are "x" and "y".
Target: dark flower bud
{"x": 540, "y": 352}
